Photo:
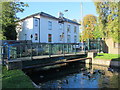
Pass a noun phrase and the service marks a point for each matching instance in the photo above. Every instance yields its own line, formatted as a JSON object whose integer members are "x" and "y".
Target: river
{"x": 76, "y": 75}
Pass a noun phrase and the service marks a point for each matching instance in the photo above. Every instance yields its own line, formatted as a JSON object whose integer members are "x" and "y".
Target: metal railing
{"x": 40, "y": 49}
{"x": 28, "y": 51}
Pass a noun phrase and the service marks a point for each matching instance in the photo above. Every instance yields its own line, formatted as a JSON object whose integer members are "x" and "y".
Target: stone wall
{"x": 109, "y": 46}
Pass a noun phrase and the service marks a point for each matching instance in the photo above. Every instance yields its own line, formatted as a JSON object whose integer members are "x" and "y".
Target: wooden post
{"x": 31, "y": 51}
{"x": 84, "y": 46}
{"x": 68, "y": 48}
{"x": 63, "y": 49}
{"x": 75, "y": 49}
{"x": 88, "y": 44}
{"x": 49, "y": 50}
{"x": 8, "y": 52}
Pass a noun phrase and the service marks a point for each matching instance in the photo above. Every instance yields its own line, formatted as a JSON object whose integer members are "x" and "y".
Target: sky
{"x": 52, "y": 8}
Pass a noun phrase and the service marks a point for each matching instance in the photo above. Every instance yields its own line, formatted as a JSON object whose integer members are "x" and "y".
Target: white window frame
{"x": 68, "y": 39}
{"x": 60, "y": 37}
{"x": 75, "y": 39}
{"x": 68, "y": 28}
{"x": 49, "y": 25}
{"x": 50, "y": 38}
{"x": 60, "y": 26}
{"x": 36, "y": 22}
{"x": 75, "y": 29}
{"x": 36, "y": 36}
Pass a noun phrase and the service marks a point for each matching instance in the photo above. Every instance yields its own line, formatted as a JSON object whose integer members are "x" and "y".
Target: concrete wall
{"x": 104, "y": 62}
{"x": 109, "y": 47}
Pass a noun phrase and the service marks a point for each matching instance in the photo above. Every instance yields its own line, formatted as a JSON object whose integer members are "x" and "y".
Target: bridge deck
{"x": 43, "y": 57}
{"x": 49, "y": 64}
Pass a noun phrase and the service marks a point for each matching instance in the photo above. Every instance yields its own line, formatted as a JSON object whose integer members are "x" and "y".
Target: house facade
{"x": 44, "y": 28}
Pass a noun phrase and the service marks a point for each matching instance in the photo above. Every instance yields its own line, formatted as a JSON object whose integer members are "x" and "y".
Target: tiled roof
{"x": 49, "y": 16}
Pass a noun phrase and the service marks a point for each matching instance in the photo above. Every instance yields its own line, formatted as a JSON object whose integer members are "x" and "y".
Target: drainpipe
{"x": 39, "y": 30}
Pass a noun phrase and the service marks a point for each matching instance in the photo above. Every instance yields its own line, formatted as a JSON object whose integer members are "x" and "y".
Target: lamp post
{"x": 67, "y": 27}
{"x": 64, "y": 32}
{"x": 62, "y": 21}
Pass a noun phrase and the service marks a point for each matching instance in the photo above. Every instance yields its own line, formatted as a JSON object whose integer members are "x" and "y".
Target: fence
{"x": 24, "y": 50}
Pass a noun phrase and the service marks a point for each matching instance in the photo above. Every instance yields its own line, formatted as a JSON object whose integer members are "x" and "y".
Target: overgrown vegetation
{"x": 107, "y": 24}
{"x": 8, "y": 19}
{"x": 15, "y": 79}
{"x": 114, "y": 57}
{"x": 108, "y": 19}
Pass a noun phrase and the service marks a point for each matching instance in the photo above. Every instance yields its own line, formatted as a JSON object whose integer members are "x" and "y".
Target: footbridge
{"x": 20, "y": 56}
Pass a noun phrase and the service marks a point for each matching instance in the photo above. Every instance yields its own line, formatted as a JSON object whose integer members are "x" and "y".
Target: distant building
{"x": 45, "y": 28}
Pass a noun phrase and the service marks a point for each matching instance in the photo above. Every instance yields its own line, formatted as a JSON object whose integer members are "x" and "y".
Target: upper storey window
{"x": 36, "y": 22}
{"x": 68, "y": 28}
{"x": 49, "y": 25}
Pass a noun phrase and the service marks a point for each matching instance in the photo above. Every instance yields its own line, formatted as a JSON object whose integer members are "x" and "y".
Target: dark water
{"x": 76, "y": 75}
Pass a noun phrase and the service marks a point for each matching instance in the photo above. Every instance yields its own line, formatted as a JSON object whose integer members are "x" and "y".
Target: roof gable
{"x": 49, "y": 16}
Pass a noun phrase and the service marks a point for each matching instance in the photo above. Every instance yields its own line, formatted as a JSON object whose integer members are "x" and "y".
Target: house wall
{"x": 44, "y": 31}
{"x": 29, "y": 28}
{"x": 71, "y": 33}
{"x": 26, "y": 28}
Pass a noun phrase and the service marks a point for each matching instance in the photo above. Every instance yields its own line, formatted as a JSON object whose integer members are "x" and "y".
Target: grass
{"x": 115, "y": 57}
{"x": 15, "y": 79}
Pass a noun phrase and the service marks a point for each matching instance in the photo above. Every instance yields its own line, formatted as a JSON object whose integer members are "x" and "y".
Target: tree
{"x": 97, "y": 32}
{"x": 89, "y": 23}
{"x": 8, "y": 21}
{"x": 108, "y": 19}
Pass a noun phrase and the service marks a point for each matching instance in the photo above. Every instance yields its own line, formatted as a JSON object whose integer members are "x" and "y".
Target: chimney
{"x": 60, "y": 15}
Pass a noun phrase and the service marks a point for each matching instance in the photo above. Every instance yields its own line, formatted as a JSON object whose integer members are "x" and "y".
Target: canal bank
{"x": 104, "y": 59}
{"x": 105, "y": 62}
{"x": 15, "y": 79}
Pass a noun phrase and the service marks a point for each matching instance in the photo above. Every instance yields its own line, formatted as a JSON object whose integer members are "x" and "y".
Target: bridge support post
{"x": 88, "y": 42}
{"x": 14, "y": 65}
{"x": 91, "y": 55}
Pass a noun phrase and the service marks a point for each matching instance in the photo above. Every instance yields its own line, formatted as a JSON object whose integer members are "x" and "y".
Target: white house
{"x": 44, "y": 28}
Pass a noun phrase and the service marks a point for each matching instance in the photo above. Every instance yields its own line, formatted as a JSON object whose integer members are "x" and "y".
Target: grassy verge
{"x": 114, "y": 57}
{"x": 15, "y": 79}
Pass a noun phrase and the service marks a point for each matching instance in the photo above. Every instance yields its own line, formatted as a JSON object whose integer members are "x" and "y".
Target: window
{"x": 49, "y": 37}
{"x": 60, "y": 26}
{"x": 36, "y": 36}
{"x": 49, "y": 25}
{"x": 36, "y": 22}
{"x": 68, "y": 39}
{"x": 116, "y": 45}
{"x": 60, "y": 37}
{"x": 75, "y": 29}
{"x": 68, "y": 28}
{"x": 75, "y": 39}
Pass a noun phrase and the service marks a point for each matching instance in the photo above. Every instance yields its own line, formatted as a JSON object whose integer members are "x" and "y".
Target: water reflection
{"x": 76, "y": 75}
